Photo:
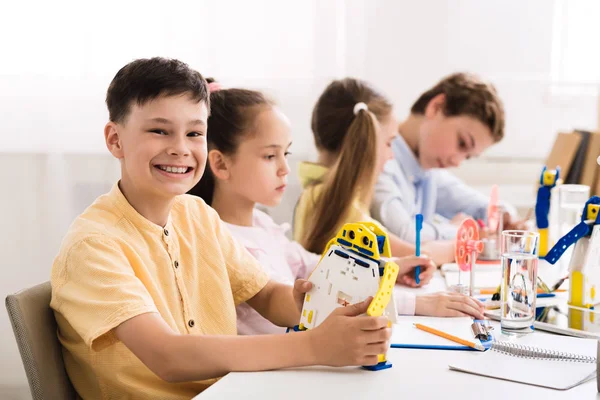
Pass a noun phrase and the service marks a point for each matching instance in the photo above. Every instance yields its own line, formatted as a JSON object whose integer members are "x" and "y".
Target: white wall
{"x": 58, "y": 58}
{"x": 408, "y": 46}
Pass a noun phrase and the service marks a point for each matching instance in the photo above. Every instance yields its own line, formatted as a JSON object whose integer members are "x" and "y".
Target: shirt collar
{"x": 135, "y": 217}
{"x": 407, "y": 160}
{"x": 310, "y": 172}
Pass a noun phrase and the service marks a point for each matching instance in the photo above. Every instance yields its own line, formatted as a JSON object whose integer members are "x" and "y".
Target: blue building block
{"x": 580, "y": 230}
{"x": 378, "y": 367}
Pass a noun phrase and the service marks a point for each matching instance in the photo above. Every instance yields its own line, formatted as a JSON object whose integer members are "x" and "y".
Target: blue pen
{"x": 542, "y": 295}
{"x": 419, "y": 226}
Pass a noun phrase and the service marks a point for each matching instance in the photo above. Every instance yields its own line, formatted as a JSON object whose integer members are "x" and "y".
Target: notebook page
{"x": 405, "y": 333}
{"x": 547, "y": 373}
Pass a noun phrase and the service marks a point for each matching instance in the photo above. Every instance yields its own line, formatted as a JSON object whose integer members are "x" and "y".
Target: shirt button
{"x": 176, "y": 264}
{"x": 191, "y": 323}
{"x": 166, "y": 232}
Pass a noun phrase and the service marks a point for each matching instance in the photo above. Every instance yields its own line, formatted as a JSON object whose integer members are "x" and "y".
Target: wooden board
{"x": 563, "y": 151}
{"x": 590, "y": 173}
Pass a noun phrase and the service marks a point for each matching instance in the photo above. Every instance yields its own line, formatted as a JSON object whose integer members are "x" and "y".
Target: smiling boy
{"x": 145, "y": 284}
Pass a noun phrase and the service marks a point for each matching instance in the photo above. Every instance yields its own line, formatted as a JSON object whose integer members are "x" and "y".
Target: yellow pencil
{"x": 476, "y": 346}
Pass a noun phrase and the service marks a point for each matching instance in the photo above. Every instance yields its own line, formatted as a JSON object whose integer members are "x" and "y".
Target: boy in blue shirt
{"x": 459, "y": 118}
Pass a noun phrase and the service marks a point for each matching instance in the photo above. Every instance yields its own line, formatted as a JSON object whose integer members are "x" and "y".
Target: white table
{"x": 416, "y": 374}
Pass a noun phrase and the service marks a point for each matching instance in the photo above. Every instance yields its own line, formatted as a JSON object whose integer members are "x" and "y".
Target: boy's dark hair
{"x": 467, "y": 94}
{"x": 146, "y": 79}
{"x": 233, "y": 112}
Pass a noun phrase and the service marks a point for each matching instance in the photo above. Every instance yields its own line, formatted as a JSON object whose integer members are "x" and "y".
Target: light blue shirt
{"x": 405, "y": 189}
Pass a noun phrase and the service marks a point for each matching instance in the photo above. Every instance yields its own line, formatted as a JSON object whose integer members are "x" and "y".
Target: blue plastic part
{"x": 363, "y": 255}
{"x": 363, "y": 250}
{"x": 356, "y": 260}
{"x": 419, "y": 226}
{"x": 381, "y": 269}
{"x": 341, "y": 254}
{"x": 378, "y": 367}
{"x": 580, "y": 230}
{"x": 542, "y": 207}
{"x": 344, "y": 242}
{"x": 295, "y": 328}
{"x": 380, "y": 243}
{"x": 542, "y": 203}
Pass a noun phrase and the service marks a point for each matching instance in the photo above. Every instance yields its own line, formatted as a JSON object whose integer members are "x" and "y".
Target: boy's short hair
{"x": 467, "y": 94}
{"x": 146, "y": 79}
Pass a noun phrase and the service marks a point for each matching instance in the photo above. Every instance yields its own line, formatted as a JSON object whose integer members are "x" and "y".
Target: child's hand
{"x": 301, "y": 286}
{"x": 459, "y": 218}
{"x": 440, "y": 251}
{"x": 347, "y": 338}
{"x": 510, "y": 223}
{"x": 406, "y": 273}
{"x": 483, "y": 229}
{"x": 448, "y": 304}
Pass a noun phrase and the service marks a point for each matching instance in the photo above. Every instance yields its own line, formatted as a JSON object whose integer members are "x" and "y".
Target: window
{"x": 575, "y": 54}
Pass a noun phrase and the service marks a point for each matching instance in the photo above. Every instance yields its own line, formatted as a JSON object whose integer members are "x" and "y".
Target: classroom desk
{"x": 416, "y": 374}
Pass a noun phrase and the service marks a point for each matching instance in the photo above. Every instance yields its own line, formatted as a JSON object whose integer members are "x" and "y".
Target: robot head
{"x": 591, "y": 212}
{"x": 365, "y": 237}
{"x": 550, "y": 177}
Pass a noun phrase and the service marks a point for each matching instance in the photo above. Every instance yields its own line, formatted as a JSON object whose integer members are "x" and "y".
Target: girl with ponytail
{"x": 353, "y": 127}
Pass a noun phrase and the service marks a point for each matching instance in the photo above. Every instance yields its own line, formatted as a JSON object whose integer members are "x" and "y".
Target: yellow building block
{"x": 386, "y": 288}
{"x": 576, "y": 290}
{"x": 592, "y": 212}
{"x": 544, "y": 245}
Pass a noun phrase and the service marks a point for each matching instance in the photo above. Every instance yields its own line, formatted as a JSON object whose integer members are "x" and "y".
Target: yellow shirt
{"x": 309, "y": 174}
{"x": 114, "y": 265}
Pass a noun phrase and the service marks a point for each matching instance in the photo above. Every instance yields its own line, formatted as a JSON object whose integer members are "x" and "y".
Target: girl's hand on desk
{"x": 348, "y": 338}
{"x": 448, "y": 304}
{"x": 406, "y": 274}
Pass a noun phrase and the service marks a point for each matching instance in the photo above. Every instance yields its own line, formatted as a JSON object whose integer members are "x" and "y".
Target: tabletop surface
{"x": 415, "y": 373}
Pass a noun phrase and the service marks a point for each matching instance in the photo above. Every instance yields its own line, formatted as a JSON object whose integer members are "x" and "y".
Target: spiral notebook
{"x": 550, "y": 361}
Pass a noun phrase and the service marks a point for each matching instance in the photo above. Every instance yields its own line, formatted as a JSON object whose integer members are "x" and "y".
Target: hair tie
{"x": 360, "y": 106}
{"x": 214, "y": 87}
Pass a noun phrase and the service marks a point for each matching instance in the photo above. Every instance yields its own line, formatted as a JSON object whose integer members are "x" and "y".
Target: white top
{"x": 285, "y": 261}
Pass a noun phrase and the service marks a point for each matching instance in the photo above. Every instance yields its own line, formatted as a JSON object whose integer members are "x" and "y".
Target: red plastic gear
{"x": 467, "y": 241}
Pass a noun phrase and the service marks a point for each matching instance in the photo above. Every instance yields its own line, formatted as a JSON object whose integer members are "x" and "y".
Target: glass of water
{"x": 519, "y": 255}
